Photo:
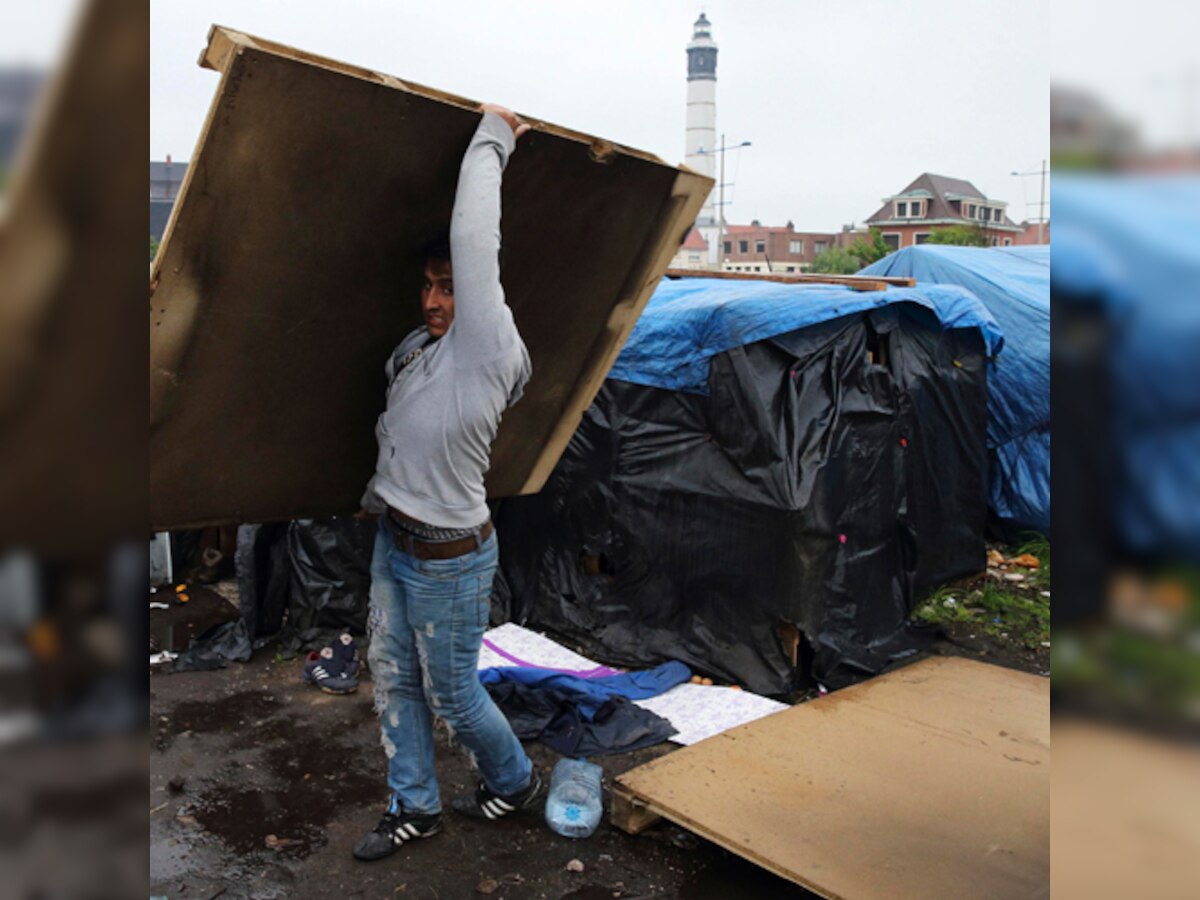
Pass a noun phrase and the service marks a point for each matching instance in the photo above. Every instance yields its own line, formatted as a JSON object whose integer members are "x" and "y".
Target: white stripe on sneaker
{"x": 504, "y": 805}
{"x": 411, "y": 829}
{"x": 487, "y": 811}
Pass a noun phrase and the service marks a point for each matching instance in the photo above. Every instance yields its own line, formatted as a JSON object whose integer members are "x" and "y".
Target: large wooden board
{"x": 931, "y": 781}
{"x": 290, "y": 269}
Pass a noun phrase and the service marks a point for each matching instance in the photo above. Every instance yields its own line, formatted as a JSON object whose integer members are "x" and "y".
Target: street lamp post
{"x": 1041, "y": 200}
{"x": 721, "y": 193}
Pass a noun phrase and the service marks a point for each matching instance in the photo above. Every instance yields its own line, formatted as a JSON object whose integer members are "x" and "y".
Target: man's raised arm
{"x": 481, "y": 318}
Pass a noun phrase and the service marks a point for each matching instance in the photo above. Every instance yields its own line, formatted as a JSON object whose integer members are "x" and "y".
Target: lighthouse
{"x": 701, "y": 132}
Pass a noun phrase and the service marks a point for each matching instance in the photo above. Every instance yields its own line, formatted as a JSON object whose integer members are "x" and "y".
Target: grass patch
{"x": 999, "y": 608}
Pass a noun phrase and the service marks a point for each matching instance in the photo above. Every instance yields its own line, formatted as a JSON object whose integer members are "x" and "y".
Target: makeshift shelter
{"x": 1014, "y": 284}
{"x": 768, "y": 479}
{"x": 1126, "y": 266}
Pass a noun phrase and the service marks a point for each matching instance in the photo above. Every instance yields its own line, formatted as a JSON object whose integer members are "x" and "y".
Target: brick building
{"x": 692, "y": 253}
{"x": 934, "y": 202}
{"x": 764, "y": 248}
{"x": 1029, "y": 234}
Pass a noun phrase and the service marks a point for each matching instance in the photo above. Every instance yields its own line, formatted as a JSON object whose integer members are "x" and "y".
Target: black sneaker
{"x": 487, "y": 804}
{"x": 330, "y": 673}
{"x": 393, "y": 831}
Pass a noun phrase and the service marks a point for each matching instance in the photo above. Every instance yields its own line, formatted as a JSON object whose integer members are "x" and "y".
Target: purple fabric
{"x": 597, "y": 672}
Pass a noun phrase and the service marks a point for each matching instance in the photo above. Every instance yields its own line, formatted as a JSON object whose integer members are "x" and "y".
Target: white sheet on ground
{"x": 697, "y": 711}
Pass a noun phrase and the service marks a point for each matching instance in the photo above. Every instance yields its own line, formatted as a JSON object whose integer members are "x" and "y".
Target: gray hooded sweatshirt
{"x": 444, "y": 407}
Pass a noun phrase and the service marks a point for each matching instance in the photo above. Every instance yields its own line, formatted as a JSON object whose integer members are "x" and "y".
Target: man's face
{"x": 437, "y": 296}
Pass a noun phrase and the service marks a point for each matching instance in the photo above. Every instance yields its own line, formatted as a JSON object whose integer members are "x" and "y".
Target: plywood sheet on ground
{"x": 931, "y": 781}
{"x": 290, "y": 269}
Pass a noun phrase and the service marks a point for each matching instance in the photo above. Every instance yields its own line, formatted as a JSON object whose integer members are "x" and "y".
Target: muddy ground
{"x": 260, "y": 785}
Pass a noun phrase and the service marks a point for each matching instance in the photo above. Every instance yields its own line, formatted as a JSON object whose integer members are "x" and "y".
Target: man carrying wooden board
{"x": 435, "y": 552}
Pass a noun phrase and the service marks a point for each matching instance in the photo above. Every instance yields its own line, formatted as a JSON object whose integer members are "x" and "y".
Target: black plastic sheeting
{"x": 301, "y": 583}
{"x": 833, "y": 476}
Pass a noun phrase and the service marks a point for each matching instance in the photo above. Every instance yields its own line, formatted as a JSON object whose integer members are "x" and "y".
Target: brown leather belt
{"x": 414, "y": 546}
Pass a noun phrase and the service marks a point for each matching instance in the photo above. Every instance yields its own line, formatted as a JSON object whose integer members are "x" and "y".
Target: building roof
{"x": 939, "y": 190}
{"x": 758, "y": 229}
{"x": 694, "y": 241}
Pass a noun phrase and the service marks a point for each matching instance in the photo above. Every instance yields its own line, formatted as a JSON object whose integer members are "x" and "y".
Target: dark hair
{"x": 437, "y": 248}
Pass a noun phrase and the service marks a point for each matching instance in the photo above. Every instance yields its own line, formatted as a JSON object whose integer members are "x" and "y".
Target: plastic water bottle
{"x": 573, "y": 808}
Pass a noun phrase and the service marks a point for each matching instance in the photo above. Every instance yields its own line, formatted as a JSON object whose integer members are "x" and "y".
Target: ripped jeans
{"x": 427, "y": 622}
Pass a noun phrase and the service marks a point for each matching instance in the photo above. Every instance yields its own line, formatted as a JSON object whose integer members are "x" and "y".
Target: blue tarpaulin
{"x": 690, "y": 320}
{"x": 1131, "y": 245}
{"x": 1014, "y": 284}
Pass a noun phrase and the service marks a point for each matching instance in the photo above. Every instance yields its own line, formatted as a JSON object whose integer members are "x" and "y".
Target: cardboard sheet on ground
{"x": 697, "y": 711}
{"x": 290, "y": 269}
{"x": 931, "y": 781}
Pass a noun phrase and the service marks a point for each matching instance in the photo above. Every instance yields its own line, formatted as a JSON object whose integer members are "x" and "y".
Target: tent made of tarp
{"x": 1126, "y": 266}
{"x": 1014, "y": 284}
{"x": 767, "y": 462}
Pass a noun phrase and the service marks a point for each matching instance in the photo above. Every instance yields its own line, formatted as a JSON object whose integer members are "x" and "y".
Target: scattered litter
{"x": 182, "y": 598}
{"x": 487, "y": 886}
{"x": 159, "y": 808}
{"x": 949, "y": 603}
{"x": 180, "y": 588}
{"x": 707, "y": 682}
{"x": 1045, "y": 643}
{"x": 1028, "y": 560}
{"x": 160, "y": 606}
{"x": 277, "y": 843}
{"x": 575, "y": 865}
{"x": 1045, "y": 593}
{"x": 995, "y": 558}
{"x": 1013, "y": 576}
{"x": 166, "y": 656}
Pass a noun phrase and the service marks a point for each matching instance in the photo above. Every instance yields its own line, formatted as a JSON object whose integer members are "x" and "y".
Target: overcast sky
{"x": 1144, "y": 63}
{"x": 845, "y": 102}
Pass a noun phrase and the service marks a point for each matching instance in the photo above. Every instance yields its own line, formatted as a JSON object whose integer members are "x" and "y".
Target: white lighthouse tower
{"x": 701, "y": 133}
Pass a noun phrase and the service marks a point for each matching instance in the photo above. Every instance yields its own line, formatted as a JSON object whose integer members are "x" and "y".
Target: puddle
{"x": 307, "y": 783}
{"x": 228, "y": 714}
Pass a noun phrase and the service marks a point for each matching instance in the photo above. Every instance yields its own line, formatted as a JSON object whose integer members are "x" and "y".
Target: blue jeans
{"x": 427, "y": 622}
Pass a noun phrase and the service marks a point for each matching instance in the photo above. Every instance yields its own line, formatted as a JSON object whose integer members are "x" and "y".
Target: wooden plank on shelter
{"x": 290, "y": 269}
{"x": 857, "y": 282}
{"x": 930, "y": 781}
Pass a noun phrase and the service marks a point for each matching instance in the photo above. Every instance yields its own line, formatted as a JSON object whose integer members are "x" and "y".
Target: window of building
{"x": 760, "y": 246}
{"x": 921, "y": 238}
{"x": 995, "y": 242}
{"x": 970, "y": 210}
{"x": 892, "y": 240}
{"x": 1008, "y": 242}
{"x": 916, "y": 208}
{"x": 983, "y": 214}
{"x": 819, "y": 246}
{"x": 791, "y": 268}
{"x": 796, "y": 247}
{"x": 743, "y": 246}
{"x": 997, "y": 215}
{"x": 729, "y": 246}
{"x": 902, "y": 209}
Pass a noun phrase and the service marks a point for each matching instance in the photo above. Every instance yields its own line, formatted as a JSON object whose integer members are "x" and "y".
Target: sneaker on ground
{"x": 487, "y": 804}
{"x": 395, "y": 829}
{"x": 328, "y": 673}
